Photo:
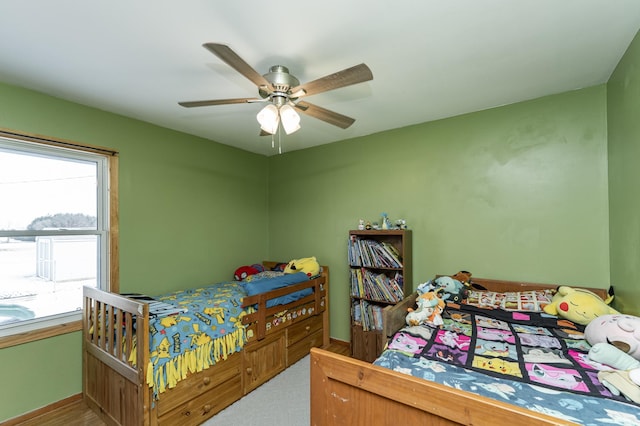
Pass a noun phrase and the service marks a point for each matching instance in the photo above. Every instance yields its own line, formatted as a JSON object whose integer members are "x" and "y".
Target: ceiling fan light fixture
{"x": 268, "y": 118}
{"x": 290, "y": 119}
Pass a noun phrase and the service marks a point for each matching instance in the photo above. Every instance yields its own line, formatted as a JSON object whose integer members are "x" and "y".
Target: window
{"x": 54, "y": 232}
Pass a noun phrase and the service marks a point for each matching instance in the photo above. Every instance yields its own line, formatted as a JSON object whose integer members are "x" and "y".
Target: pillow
{"x": 262, "y": 275}
{"x": 527, "y": 301}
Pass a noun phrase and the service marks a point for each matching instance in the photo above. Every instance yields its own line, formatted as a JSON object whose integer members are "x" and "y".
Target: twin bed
{"x": 482, "y": 367}
{"x": 184, "y": 356}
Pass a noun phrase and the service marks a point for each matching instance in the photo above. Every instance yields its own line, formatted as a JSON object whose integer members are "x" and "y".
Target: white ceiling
{"x": 430, "y": 58}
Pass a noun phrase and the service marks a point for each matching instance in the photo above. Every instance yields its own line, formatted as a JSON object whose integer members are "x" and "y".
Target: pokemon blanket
{"x": 209, "y": 329}
{"x": 526, "y": 347}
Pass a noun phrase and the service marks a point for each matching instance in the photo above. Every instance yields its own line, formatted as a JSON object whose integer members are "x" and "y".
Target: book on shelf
{"x": 356, "y": 313}
{"x": 372, "y": 253}
{"x": 368, "y": 315}
{"x": 370, "y": 285}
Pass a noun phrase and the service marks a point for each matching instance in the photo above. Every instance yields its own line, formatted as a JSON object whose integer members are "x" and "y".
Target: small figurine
{"x": 401, "y": 224}
{"x": 368, "y": 226}
{"x": 386, "y": 223}
{"x": 361, "y": 224}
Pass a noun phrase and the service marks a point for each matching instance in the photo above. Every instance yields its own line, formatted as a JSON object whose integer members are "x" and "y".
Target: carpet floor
{"x": 283, "y": 400}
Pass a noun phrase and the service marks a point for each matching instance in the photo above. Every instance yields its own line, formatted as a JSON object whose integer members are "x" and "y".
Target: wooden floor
{"x": 78, "y": 414}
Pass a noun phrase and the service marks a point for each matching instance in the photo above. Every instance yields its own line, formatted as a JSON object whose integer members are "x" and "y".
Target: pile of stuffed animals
{"x": 433, "y": 296}
{"x": 614, "y": 337}
{"x": 615, "y": 340}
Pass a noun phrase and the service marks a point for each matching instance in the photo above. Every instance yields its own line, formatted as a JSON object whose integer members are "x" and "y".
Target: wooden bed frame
{"x": 347, "y": 391}
{"x": 116, "y": 388}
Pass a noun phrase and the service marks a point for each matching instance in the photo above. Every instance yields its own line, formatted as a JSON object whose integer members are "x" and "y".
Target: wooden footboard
{"x": 347, "y": 391}
{"x": 114, "y": 369}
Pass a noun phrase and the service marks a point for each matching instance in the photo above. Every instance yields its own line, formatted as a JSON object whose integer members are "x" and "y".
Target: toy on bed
{"x": 578, "y": 305}
{"x": 279, "y": 267}
{"x": 619, "y": 330}
{"x": 615, "y": 340}
{"x": 246, "y": 271}
{"x": 308, "y": 265}
{"x": 454, "y": 288}
{"x": 256, "y": 280}
{"x": 429, "y": 310}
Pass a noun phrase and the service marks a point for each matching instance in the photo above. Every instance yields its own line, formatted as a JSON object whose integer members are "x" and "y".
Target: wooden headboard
{"x": 394, "y": 316}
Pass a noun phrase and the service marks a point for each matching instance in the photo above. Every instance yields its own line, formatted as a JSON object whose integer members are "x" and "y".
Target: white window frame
{"x": 106, "y": 160}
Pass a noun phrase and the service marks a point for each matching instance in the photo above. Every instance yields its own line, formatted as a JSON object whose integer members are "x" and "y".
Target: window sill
{"x": 39, "y": 334}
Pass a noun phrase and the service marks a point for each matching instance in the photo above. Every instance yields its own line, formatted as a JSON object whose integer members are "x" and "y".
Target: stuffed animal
{"x": 463, "y": 276}
{"x": 453, "y": 290}
{"x": 604, "y": 353}
{"x": 308, "y": 265}
{"x": 245, "y": 271}
{"x": 615, "y": 340}
{"x": 578, "y": 305}
{"x": 279, "y": 267}
{"x": 619, "y": 330}
{"x": 622, "y": 382}
{"x": 429, "y": 310}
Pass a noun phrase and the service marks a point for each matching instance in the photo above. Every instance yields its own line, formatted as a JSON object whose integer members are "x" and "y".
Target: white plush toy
{"x": 615, "y": 341}
{"x": 430, "y": 306}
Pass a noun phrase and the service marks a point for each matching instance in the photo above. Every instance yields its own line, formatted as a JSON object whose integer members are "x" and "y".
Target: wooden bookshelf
{"x": 380, "y": 276}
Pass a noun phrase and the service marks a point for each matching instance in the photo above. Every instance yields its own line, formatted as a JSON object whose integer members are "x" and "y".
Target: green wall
{"x": 623, "y": 111}
{"x": 190, "y": 209}
{"x": 517, "y": 192}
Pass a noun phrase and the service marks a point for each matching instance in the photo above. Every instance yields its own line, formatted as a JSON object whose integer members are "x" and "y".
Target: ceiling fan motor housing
{"x": 281, "y": 81}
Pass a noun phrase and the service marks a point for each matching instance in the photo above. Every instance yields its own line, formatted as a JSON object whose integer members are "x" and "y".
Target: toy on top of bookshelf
{"x": 385, "y": 223}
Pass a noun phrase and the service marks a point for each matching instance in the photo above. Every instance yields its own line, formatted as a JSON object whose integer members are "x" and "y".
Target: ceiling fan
{"x": 283, "y": 91}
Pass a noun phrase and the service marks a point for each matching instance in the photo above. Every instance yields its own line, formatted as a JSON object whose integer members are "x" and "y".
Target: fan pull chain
{"x": 279, "y": 142}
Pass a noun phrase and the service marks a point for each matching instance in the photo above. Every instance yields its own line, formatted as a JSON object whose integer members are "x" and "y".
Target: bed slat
{"x": 262, "y": 313}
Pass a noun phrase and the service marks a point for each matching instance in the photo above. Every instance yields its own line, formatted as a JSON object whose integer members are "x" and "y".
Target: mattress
{"x": 205, "y": 326}
{"x": 528, "y": 359}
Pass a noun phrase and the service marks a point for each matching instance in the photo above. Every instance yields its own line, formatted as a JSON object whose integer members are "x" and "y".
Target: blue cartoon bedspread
{"x": 209, "y": 330}
{"x": 528, "y": 359}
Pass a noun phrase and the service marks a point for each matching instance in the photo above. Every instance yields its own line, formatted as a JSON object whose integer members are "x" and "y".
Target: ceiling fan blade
{"x": 354, "y": 75}
{"x": 225, "y": 53}
{"x": 323, "y": 114}
{"x": 190, "y": 104}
